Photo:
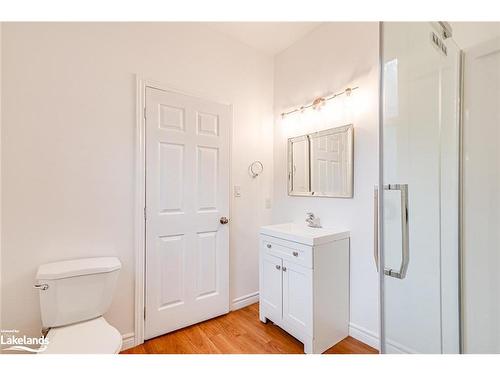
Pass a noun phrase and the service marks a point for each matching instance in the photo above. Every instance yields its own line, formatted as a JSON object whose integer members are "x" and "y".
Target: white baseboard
{"x": 371, "y": 338}
{"x": 243, "y": 301}
{"x": 128, "y": 341}
{"x": 368, "y": 337}
{"x": 397, "y": 348}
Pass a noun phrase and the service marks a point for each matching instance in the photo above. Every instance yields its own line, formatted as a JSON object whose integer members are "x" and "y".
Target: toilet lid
{"x": 94, "y": 336}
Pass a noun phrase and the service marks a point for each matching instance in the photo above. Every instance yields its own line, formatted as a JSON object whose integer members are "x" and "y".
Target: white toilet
{"x": 74, "y": 295}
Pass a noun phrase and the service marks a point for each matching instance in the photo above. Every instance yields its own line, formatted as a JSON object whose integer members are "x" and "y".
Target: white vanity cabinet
{"x": 304, "y": 283}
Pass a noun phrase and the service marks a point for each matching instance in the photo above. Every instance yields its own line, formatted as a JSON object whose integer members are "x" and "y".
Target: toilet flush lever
{"x": 41, "y": 286}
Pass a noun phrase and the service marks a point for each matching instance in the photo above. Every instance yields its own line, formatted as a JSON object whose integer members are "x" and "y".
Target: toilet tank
{"x": 76, "y": 290}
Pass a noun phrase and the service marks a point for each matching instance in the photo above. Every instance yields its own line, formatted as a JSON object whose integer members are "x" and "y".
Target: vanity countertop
{"x": 304, "y": 234}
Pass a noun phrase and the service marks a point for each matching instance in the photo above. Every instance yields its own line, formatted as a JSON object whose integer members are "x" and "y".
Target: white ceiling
{"x": 274, "y": 37}
{"x": 267, "y": 37}
{"x": 468, "y": 34}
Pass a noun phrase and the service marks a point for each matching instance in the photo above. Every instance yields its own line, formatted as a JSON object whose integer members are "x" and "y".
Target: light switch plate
{"x": 268, "y": 202}
{"x": 237, "y": 191}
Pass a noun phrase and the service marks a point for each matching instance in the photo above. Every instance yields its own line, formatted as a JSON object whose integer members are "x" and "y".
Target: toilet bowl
{"x": 94, "y": 336}
{"x": 74, "y": 295}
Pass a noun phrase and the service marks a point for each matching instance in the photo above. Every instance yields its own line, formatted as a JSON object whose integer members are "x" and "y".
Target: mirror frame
{"x": 349, "y": 129}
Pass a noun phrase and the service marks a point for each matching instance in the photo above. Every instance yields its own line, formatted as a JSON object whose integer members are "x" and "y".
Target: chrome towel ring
{"x": 256, "y": 168}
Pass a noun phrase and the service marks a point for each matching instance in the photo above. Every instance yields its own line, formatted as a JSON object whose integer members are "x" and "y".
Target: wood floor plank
{"x": 201, "y": 341}
{"x": 351, "y": 346}
{"x": 224, "y": 345}
{"x": 239, "y": 332}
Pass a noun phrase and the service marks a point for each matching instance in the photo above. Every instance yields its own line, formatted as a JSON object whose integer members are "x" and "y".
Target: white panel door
{"x": 326, "y": 164}
{"x": 271, "y": 287}
{"x": 187, "y": 193}
{"x": 297, "y": 297}
{"x": 330, "y": 164}
{"x": 300, "y": 169}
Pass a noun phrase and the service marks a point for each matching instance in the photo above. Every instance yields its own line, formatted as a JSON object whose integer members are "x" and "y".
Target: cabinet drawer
{"x": 287, "y": 250}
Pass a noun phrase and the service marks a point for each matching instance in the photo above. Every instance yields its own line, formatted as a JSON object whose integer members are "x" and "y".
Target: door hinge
{"x": 145, "y": 214}
{"x": 144, "y": 112}
{"x": 144, "y": 312}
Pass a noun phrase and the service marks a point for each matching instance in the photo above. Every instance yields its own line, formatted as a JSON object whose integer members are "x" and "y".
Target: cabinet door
{"x": 270, "y": 290}
{"x": 297, "y": 297}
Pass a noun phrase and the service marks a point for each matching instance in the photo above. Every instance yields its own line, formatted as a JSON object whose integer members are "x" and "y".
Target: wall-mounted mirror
{"x": 321, "y": 164}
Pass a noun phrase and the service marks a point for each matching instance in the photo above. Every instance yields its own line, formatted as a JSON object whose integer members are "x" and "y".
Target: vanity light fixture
{"x": 320, "y": 102}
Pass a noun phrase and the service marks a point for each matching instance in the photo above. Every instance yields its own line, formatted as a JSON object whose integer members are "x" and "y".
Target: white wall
{"x": 329, "y": 59}
{"x": 68, "y": 137}
{"x": 481, "y": 186}
{"x": 470, "y": 34}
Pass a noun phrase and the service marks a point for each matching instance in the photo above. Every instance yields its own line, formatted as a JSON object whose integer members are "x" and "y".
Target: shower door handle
{"x": 405, "y": 241}
{"x": 375, "y": 225}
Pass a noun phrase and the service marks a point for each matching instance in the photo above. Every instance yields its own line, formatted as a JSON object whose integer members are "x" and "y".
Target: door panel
{"x": 420, "y": 194}
{"x": 172, "y": 263}
{"x": 206, "y": 273}
{"x": 187, "y": 191}
{"x": 207, "y": 164}
{"x": 297, "y": 297}
{"x": 271, "y": 296}
{"x": 171, "y": 177}
{"x": 329, "y": 164}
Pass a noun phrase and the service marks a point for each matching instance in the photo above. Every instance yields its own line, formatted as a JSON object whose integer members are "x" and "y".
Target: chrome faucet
{"x": 312, "y": 221}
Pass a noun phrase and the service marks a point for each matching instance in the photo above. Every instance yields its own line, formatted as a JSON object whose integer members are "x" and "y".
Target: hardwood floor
{"x": 239, "y": 332}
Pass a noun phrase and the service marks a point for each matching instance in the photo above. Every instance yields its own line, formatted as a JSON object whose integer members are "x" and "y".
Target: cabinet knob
{"x": 268, "y": 245}
{"x": 278, "y": 267}
{"x": 284, "y": 269}
{"x": 295, "y": 253}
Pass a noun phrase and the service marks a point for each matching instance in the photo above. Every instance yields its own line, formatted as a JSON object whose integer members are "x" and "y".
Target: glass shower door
{"x": 418, "y": 220}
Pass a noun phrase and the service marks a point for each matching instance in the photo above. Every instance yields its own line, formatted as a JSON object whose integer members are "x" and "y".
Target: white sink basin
{"x": 304, "y": 234}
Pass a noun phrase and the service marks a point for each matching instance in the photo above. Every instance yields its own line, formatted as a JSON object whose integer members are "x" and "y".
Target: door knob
{"x": 224, "y": 220}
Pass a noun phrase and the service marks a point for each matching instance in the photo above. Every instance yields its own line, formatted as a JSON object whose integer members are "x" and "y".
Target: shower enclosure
{"x": 417, "y": 199}
{"x": 437, "y": 204}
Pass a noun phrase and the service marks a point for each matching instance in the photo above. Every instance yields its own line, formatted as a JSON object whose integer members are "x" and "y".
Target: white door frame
{"x": 140, "y": 196}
